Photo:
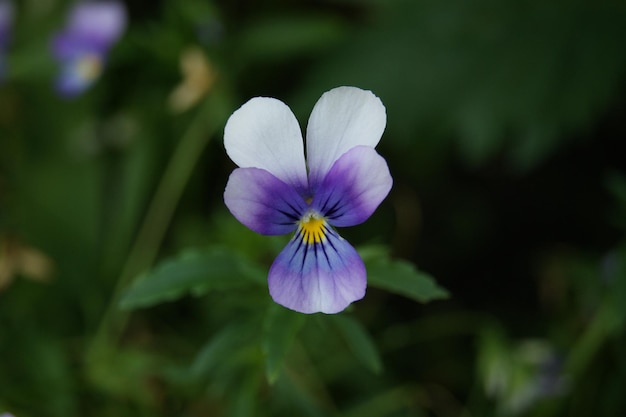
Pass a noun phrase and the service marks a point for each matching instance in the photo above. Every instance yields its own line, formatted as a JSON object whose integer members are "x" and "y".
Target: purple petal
{"x": 317, "y": 277}
{"x": 262, "y": 202}
{"x": 101, "y": 21}
{"x": 66, "y": 46}
{"x": 354, "y": 187}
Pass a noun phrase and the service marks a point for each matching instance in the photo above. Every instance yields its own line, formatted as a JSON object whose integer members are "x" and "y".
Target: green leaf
{"x": 359, "y": 341}
{"x": 394, "y": 401}
{"x": 219, "y": 349}
{"x": 399, "y": 276}
{"x": 120, "y": 372}
{"x": 246, "y": 396}
{"x": 300, "y": 398}
{"x": 281, "y": 327}
{"x": 196, "y": 272}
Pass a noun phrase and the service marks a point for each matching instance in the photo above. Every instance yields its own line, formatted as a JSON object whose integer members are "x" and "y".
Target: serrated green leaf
{"x": 359, "y": 341}
{"x": 399, "y": 276}
{"x": 195, "y": 272}
{"x": 280, "y": 329}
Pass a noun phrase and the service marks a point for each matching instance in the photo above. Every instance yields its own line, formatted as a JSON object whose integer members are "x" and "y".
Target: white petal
{"x": 343, "y": 118}
{"x": 264, "y": 133}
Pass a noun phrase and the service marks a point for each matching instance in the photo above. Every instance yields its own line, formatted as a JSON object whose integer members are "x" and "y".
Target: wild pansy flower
{"x": 82, "y": 46}
{"x": 6, "y": 23}
{"x": 274, "y": 191}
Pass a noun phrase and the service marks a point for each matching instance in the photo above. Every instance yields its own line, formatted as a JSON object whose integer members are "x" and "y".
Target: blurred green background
{"x": 506, "y": 122}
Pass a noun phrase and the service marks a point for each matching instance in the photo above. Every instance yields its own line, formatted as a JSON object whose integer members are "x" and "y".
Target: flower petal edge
{"x": 262, "y": 202}
{"x": 264, "y": 133}
{"x": 354, "y": 187}
{"x": 322, "y": 277}
{"x": 342, "y": 118}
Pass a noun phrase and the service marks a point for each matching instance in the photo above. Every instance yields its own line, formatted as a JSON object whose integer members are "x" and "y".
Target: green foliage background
{"x": 127, "y": 289}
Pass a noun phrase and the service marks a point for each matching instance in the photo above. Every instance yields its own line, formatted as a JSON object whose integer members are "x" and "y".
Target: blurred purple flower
{"x": 6, "y": 23}
{"x": 341, "y": 183}
{"x": 82, "y": 46}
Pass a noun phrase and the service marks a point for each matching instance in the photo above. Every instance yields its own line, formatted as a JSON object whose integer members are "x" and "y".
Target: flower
{"x": 18, "y": 258}
{"x": 6, "y": 21}
{"x": 82, "y": 46}
{"x": 272, "y": 192}
{"x": 198, "y": 78}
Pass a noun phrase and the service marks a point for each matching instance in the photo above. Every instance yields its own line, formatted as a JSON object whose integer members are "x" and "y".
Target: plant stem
{"x": 209, "y": 117}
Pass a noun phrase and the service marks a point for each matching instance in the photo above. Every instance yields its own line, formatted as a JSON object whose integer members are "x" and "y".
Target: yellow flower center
{"x": 312, "y": 228}
{"x": 89, "y": 67}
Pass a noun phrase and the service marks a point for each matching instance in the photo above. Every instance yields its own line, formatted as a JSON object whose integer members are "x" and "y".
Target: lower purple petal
{"x": 317, "y": 277}
{"x": 262, "y": 202}
{"x": 354, "y": 187}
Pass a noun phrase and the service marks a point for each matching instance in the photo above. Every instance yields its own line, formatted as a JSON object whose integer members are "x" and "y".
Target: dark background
{"x": 505, "y": 140}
